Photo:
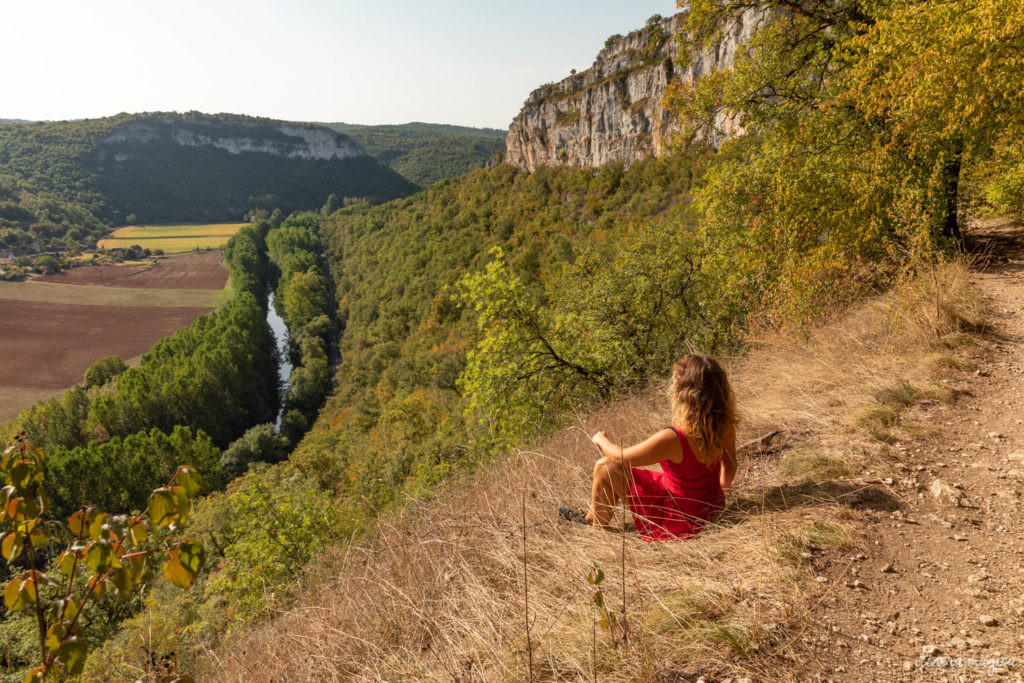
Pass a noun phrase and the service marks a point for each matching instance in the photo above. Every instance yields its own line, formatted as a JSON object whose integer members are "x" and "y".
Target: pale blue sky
{"x": 446, "y": 61}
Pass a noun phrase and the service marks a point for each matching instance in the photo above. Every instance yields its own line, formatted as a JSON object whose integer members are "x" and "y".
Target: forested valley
{"x": 427, "y": 153}
{"x": 433, "y": 334}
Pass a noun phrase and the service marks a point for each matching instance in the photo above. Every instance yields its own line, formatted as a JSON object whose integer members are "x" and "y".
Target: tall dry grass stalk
{"x": 437, "y": 593}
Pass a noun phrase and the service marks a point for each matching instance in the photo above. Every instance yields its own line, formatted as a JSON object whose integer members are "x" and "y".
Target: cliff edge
{"x": 613, "y": 110}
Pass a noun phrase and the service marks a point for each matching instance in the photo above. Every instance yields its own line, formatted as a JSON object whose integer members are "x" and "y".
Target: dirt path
{"x": 936, "y": 591}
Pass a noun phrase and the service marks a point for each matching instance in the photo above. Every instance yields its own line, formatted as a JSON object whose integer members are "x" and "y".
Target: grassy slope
{"x": 438, "y": 587}
{"x": 426, "y": 153}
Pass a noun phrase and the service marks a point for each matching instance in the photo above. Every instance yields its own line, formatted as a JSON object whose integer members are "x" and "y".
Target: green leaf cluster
{"x": 604, "y": 323}
{"x": 276, "y": 527}
{"x": 103, "y": 557}
{"x": 119, "y": 474}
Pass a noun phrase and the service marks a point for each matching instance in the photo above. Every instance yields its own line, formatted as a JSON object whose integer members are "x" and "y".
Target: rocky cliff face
{"x": 613, "y": 110}
{"x": 236, "y": 136}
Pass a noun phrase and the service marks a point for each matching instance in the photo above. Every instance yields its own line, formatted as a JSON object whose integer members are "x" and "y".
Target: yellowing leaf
{"x": 30, "y": 588}
{"x": 138, "y": 533}
{"x": 66, "y": 562}
{"x": 96, "y": 526}
{"x": 182, "y": 505}
{"x": 72, "y": 654}
{"x": 54, "y": 635}
{"x": 162, "y": 508}
{"x": 39, "y": 538}
{"x": 12, "y": 596}
{"x": 11, "y": 546}
{"x": 78, "y": 523}
{"x": 184, "y": 563}
{"x": 97, "y": 558}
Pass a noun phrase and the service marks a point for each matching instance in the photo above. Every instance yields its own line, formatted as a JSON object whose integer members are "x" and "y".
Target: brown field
{"x": 200, "y": 270}
{"x": 97, "y": 295}
{"x": 50, "y": 345}
{"x": 13, "y": 399}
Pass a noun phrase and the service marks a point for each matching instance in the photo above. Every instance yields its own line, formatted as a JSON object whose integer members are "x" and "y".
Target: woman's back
{"x": 690, "y": 479}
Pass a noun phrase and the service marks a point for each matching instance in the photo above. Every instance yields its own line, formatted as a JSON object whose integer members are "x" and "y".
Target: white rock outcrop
{"x": 238, "y": 136}
{"x": 614, "y": 109}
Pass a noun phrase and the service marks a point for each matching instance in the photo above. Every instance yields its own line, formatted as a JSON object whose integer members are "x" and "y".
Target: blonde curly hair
{"x": 702, "y": 404}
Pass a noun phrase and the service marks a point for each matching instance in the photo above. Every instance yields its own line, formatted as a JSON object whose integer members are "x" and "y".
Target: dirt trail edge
{"x": 936, "y": 589}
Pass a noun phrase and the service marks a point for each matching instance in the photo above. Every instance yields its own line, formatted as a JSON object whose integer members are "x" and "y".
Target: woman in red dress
{"x": 697, "y": 456}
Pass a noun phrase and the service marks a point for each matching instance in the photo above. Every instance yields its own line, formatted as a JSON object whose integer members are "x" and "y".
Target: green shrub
{"x": 276, "y": 527}
{"x": 261, "y": 443}
{"x": 104, "y": 370}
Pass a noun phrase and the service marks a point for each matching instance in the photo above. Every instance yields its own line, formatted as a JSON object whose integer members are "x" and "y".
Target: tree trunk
{"x": 951, "y": 178}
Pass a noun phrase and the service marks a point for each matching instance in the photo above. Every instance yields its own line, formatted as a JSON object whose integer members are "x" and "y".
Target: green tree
{"x": 276, "y": 530}
{"x": 261, "y": 443}
{"x": 605, "y": 323}
{"x": 303, "y": 297}
{"x": 332, "y": 204}
{"x": 104, "y": 370}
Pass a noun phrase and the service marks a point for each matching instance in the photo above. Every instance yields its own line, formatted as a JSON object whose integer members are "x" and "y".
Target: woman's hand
{"x": 600, "y": 439}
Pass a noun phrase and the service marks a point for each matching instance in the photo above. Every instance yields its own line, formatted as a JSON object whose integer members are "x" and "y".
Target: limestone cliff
{"x": 613, "y": 110}
{"x": 235, "y": 136}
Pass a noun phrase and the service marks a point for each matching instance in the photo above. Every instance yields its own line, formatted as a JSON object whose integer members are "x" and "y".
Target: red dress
{"x": 677, "y": 502}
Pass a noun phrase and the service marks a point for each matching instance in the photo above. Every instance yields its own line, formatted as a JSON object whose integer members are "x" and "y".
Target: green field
{"x": 172, "y": 239}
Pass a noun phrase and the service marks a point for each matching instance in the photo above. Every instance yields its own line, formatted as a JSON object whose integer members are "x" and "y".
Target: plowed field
{"x": 49, "y": 346}
{"x": 53, "y": 328}
{"x": 200, "y": 270}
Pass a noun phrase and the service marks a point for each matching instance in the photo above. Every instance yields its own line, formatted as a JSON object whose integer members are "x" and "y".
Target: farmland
{"x": 186, "y": 271}
{"x": 171, "y": 239}
{"x": 56, "y": 326}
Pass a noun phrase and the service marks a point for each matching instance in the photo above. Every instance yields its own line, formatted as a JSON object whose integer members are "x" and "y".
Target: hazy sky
{"x": 446, "y": 61}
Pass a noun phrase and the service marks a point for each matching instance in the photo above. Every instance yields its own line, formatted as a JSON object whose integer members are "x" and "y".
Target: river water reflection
{"x": 284, "y": 368}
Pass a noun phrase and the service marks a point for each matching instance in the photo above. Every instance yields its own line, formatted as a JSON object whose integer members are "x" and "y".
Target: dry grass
{"x": 437, "y": 593}
{"x": 866, "y": 358}
{"x": 438, "y": 590}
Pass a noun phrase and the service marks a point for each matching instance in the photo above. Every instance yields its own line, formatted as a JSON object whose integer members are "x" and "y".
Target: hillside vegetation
{"x": 855, "y": 173}
{"x": 426, "y": 153}
{"x": 64, "y": 183}
{"x": 466, "y": 583}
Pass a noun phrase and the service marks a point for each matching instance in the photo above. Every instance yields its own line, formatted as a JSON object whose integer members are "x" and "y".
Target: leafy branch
{"x": 115, "y": 554}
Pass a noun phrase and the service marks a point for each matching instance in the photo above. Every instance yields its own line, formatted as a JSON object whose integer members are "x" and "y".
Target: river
{"x": 284, "y": 367}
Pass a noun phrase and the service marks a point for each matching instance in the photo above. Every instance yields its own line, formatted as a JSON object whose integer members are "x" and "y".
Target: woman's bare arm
{"x": 728, "y": 472}
{"x": 663, "y": 445}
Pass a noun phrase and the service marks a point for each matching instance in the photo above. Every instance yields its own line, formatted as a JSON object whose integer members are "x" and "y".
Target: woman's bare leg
{"x": 609, "y": 488}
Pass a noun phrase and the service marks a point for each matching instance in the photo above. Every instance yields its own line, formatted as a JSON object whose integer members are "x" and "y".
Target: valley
{"x": 334, "y": 409}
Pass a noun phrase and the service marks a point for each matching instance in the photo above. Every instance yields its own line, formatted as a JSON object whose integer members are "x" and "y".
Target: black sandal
{"x": 574, "y": 515}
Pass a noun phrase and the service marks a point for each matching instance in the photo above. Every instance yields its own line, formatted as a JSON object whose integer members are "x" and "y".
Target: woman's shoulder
{"x": 673, "y": 432}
